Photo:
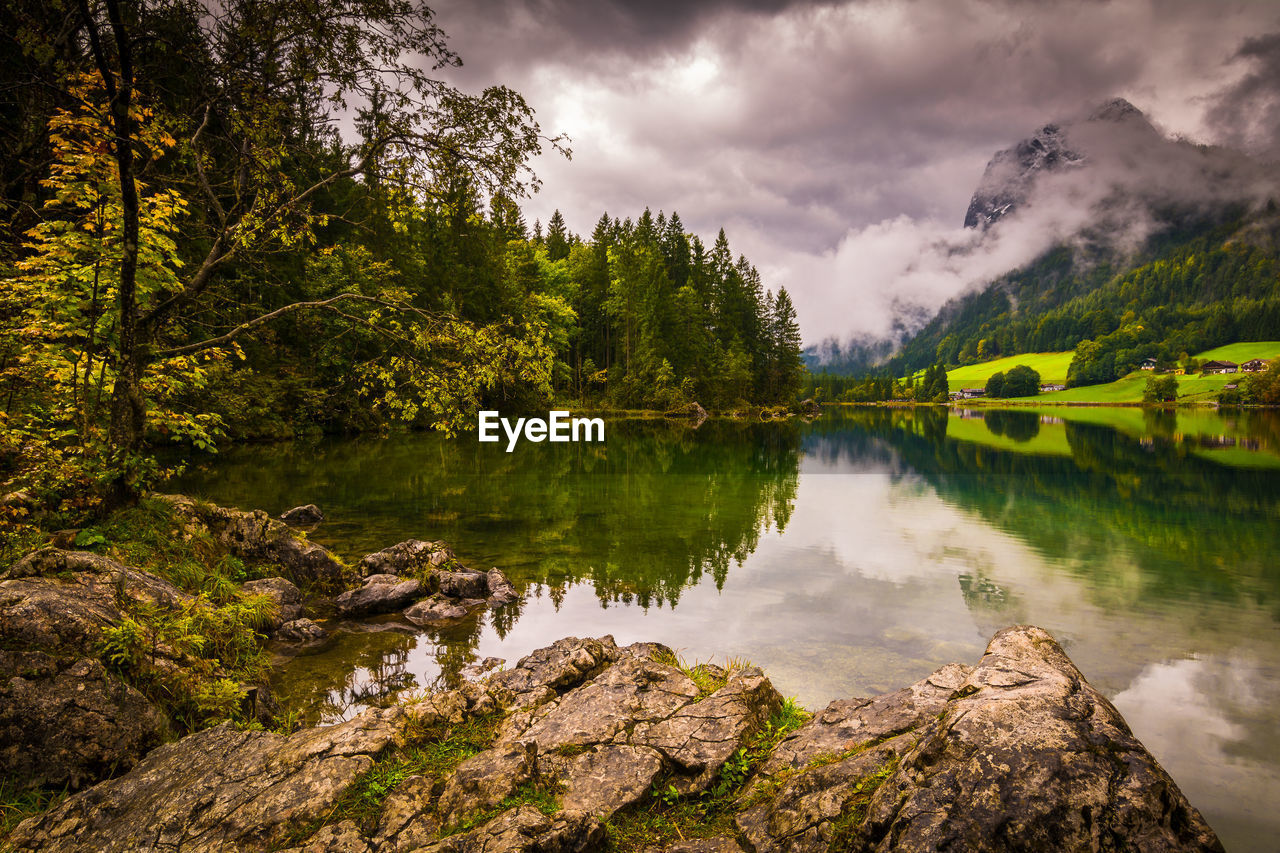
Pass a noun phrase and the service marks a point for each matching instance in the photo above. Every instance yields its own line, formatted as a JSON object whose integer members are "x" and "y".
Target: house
{"x": 1253, "y": 365}
{"x": 1052, "y": 386}
{"x": 1149, "y": 364}
{"x": 970, "y": 393}
{"x": 1210, "y": 367}
{"x": 1231, "y": 386}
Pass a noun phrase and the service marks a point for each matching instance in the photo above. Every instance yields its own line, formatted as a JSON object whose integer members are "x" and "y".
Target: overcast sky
{"x": 827, "y": 136}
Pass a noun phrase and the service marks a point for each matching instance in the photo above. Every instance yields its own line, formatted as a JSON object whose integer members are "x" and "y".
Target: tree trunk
{"x": 128, "y": 410}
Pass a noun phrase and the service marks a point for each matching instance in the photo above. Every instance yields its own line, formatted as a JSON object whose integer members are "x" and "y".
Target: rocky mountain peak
{"x": 1011, "y": 174}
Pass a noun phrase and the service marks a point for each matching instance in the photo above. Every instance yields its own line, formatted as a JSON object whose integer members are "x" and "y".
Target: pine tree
{"x": 557, "y": 237}
{"x": 789, "y": 367}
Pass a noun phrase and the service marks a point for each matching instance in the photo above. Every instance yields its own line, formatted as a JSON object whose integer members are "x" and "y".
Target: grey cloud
{"x": 802, "y": 125}
{"x": 1248, "y": 113}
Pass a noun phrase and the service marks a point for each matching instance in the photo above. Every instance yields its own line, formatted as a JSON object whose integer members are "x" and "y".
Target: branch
{"x": 327, "y": 304}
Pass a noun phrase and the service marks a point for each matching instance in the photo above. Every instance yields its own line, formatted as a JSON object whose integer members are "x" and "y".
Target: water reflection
{"x": 849, "y": 556}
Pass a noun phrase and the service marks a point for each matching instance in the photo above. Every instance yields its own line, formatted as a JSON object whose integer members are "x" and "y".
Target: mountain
{"x": 1147, "y": 243}
{"x": 1012, "y": 174}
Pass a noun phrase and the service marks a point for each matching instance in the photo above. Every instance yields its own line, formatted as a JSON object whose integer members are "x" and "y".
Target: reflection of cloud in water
{"x": 1213, "y": 727}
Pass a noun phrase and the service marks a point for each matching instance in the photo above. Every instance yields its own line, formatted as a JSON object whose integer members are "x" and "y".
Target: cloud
{"x": 817, "y": 131}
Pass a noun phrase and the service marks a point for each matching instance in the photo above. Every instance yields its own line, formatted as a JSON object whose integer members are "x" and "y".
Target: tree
{"x": 1160, "y": 389}
{"x": 277, "y": 76}
{"x": 995, "y": 385}
{"x": 786, "y": 365}
{"x": 1021, "y": 381}
{"x": 557, "y": 237}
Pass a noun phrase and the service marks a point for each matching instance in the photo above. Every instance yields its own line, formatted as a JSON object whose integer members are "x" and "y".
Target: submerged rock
{"x": 302, "y": 516}
{"x": 438, "y": 609}
{"x": 302, "y": 632}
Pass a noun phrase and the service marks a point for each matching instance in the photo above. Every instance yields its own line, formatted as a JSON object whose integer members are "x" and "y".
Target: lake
{"x": 847, "y": 556}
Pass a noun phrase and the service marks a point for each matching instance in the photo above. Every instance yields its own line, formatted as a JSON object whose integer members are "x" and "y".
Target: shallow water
{"x": 846, "y": 557}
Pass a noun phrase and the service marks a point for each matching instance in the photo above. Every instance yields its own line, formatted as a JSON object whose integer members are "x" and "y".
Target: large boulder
{"x": 257, "y": 537}
{"x": 68, "y": 724}
{"x": 1019, "y": 753}
{"x": 380, "y": 594}
{"x": 411, "y": 557}
{"x": 217, "y": 790}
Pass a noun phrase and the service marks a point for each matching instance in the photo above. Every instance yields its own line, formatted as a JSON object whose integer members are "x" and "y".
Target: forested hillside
{"x": 243, "y": 219}
{"x": 1189, "y": 290}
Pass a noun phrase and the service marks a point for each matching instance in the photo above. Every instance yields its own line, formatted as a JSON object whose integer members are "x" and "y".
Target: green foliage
{"x": 995, "y": 385}
{"x": 1021, "y": 381}
{"x": 1160, "y": 389}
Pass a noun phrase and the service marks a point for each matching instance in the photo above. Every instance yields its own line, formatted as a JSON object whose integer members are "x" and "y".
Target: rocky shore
{"x": 580, "y": 746}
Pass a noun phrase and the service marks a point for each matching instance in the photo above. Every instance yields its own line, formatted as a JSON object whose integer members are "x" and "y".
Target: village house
{"x": 1253, "y": 365}
{"x": 1149, "y": 364}
{"x": 1210, "y": 367}
{"x": 1052, "y": 386}
{"x": 970, "y": 393}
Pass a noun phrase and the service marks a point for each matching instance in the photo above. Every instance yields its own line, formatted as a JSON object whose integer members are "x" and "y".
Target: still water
{"x": 847, "y": 556}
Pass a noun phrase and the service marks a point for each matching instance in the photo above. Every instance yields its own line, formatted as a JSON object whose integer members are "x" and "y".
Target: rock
{"x": 809, "y": 408}
{"x": 484, "y": 780}
{"x": 609, "y": 777}
{"x": 438, "y": 609}
{"x": 1023, "y": 755}
{"x": 257, "y": 537}
{"x": 693, "y": 411}
{"x": 302, "y": 516}
{"x": 701, "y": 736}
{"x": 500, "y": 589}
{"x": 215, "y": 791}
{"x": 288, "y": 598}
{"x": 342, "y": 837}
{"x": 851, "y": 723}
{"x": 705, "y": 845}
{"x": 524, "y": 829}
{"x": 476, "y": 671}
{"x": 377, "y": 597}
{"x": 412, "y": 556}
{"x": 1018, "y": 753}
{"x": 464, "y": 584}
{"x": 70, "y": 726}
{"x": 63, "y": 600}
{"x": 301, "y": 632}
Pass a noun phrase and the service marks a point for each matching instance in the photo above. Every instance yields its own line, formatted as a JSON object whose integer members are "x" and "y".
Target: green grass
{"x": 17, "y": 804}
{"x": 1242, "y": 352}
{"x": 1052, "y": 367}
{"x": 707, "y": 676}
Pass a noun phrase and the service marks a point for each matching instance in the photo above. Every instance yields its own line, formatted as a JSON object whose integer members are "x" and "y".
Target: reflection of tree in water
{"x": 658, "y": 507}
{"x": 1191, "y": 524}
{"x": 1015, "y": 425}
